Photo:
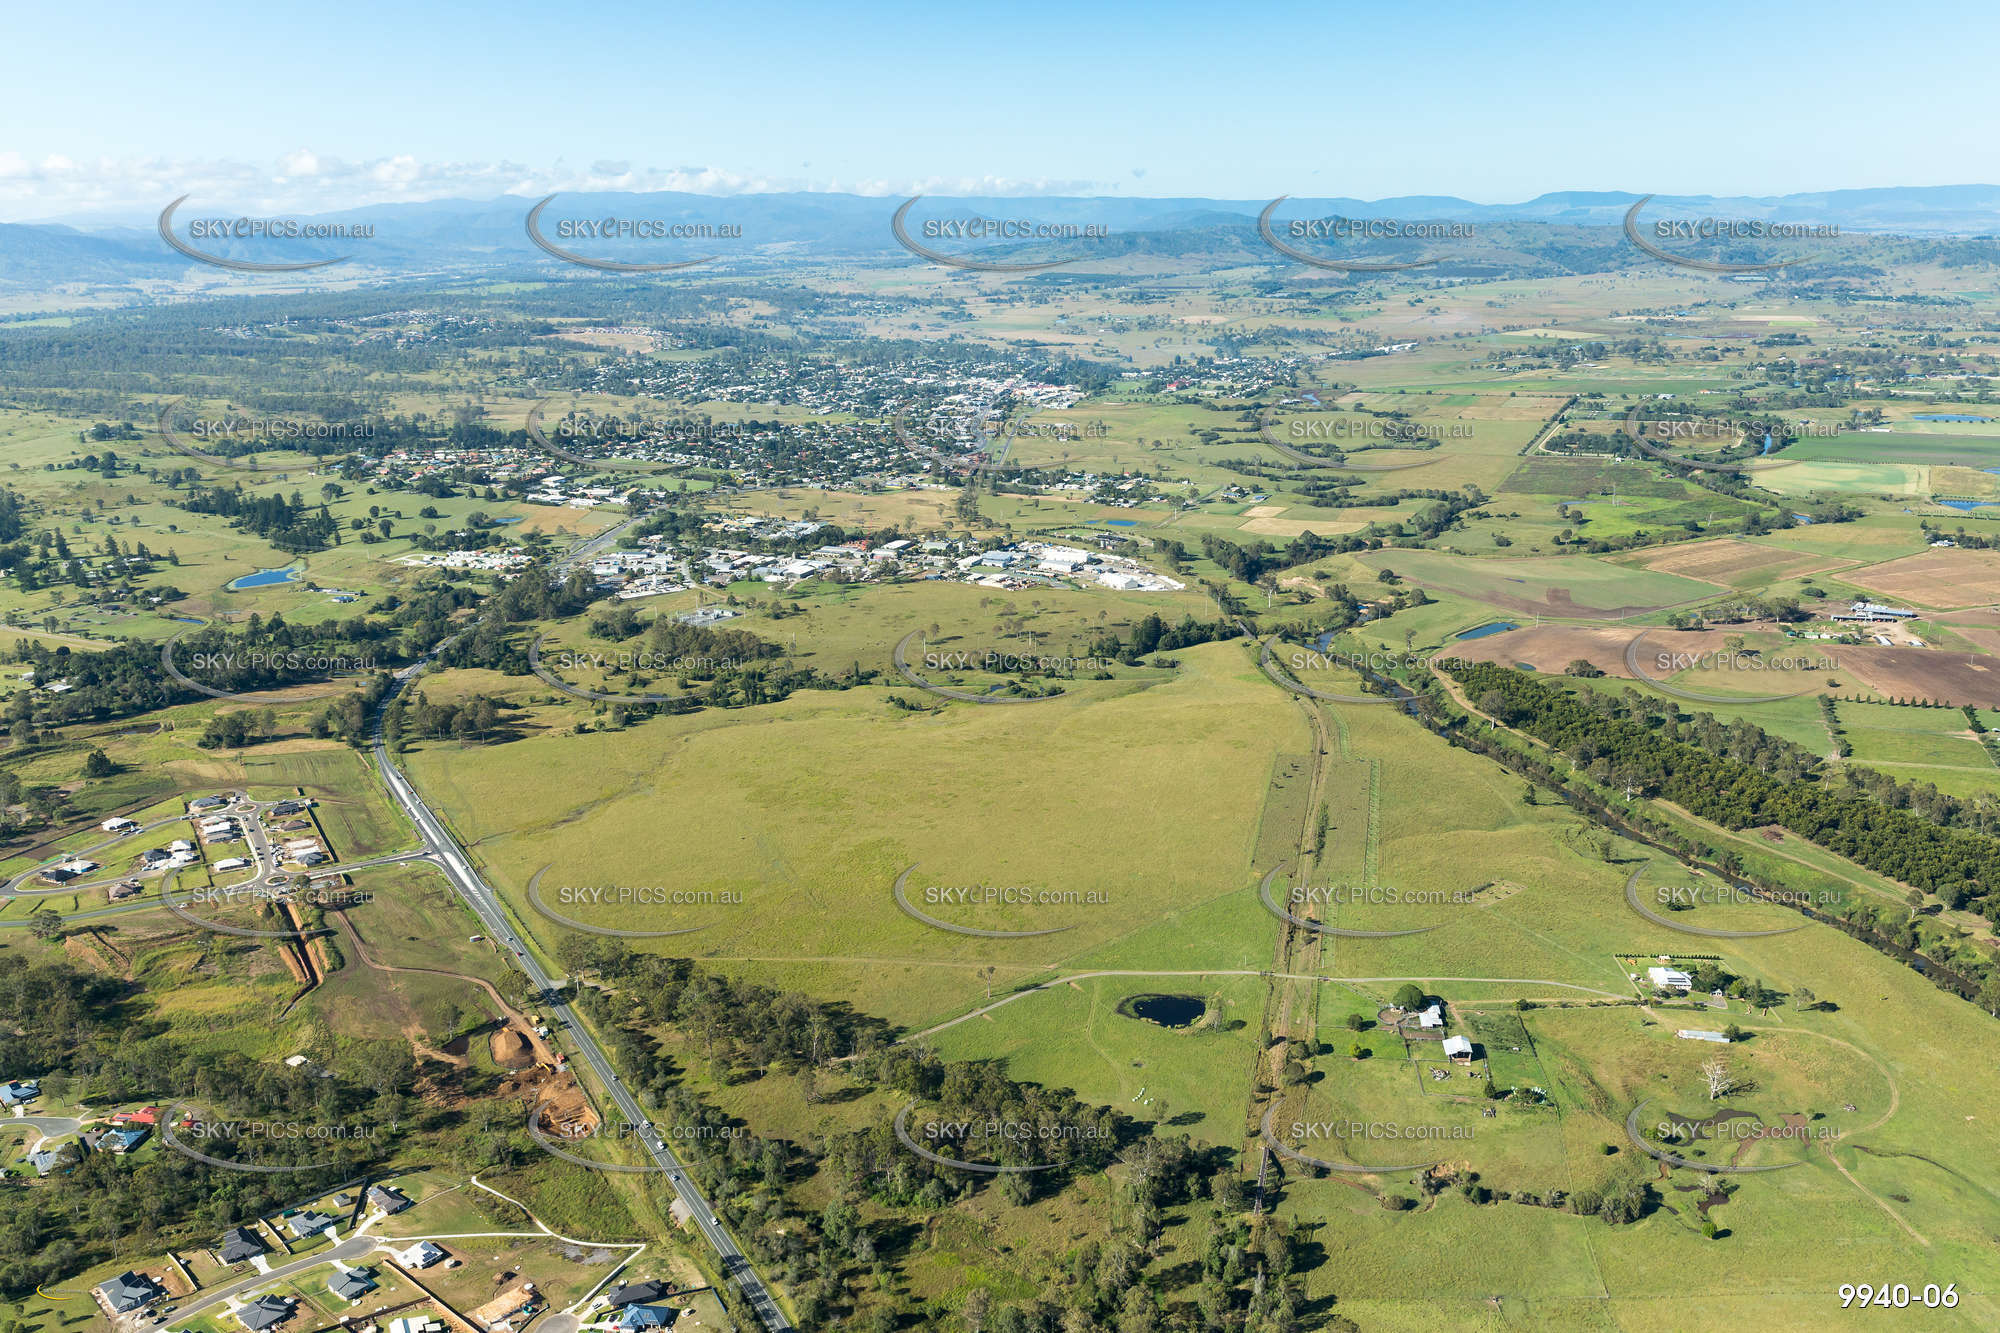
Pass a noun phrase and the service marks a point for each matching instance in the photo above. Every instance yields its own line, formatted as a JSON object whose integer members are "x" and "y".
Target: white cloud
{"x": 303, "y": 181}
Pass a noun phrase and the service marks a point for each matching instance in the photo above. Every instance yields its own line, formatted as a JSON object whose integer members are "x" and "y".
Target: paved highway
{"x": 485, "y": 904}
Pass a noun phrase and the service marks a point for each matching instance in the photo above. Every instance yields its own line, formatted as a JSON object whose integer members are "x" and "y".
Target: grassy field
{"x": 1577, "y": 587}
{"x": 1063, "y": 797}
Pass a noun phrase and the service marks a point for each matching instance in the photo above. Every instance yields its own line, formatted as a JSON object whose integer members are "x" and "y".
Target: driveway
{"x": 354, "y": 1247}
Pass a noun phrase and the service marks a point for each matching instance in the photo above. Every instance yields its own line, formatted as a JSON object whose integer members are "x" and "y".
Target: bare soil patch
{"x": 1723, "y": 559}
{"x": 1944, "y": 579}
{"x": 1551, "y": 648}
{"x": 1923, "y": 673}
{"x": 510, "y": 1049}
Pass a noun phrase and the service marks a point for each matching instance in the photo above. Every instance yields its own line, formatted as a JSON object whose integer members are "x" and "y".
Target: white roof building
{"x": 421, "y": 1255}
{"x": 1458, "y": 1048}
{"x": 1432, "y": 1017}
{"x": 1668, "y": 978}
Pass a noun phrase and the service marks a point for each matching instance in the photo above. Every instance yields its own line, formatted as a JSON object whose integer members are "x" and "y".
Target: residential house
{"x": 267, "y": 1311}
{"x": 239, "y": 1245}
{"x": 121, "y": 1140}
{"x": 1668, "y": 978}
{"x": 645, "y": 1316}
{"x": 421, "y": 1255}
{"x": 350, "y": 1284}
{"x": 128, "y": 1292}
{"x": 45, "y": 1161}
{"x": 644, "y": 1292}
{"x": 387, "y": 1199}
{"x": 308, "y": 1223}
{"x": 20, "y": 1092}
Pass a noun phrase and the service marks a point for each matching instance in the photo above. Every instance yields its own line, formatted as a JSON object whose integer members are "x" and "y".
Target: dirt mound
{"x": 510, "y": 1049}
{"x": 563, "y": 1109}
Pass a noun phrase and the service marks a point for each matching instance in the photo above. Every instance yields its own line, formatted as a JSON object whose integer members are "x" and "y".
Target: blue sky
{"x": 115, "y": 109}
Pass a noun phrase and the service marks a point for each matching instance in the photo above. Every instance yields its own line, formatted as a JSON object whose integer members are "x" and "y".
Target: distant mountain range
{"x": 456, "y": 237}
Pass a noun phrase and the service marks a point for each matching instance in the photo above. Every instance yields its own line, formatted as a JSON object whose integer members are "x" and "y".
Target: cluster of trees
{"x": 1152, "y": 635}
{"x": 1251, "y": 562}
{"x": 286, "y": 522}
{"x": 1250, "y": 1274}
{"x": 87, "y": 1040}
{"x": 118, "y": 681}
{"x": 1741, "y": 777}
{"x": 474, "y": 718}
{"x": 273, "y": 653}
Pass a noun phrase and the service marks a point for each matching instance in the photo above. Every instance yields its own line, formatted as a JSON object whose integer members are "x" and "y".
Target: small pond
{"x": 264, "y": 578}
{"x": 1169, "y": 1011}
